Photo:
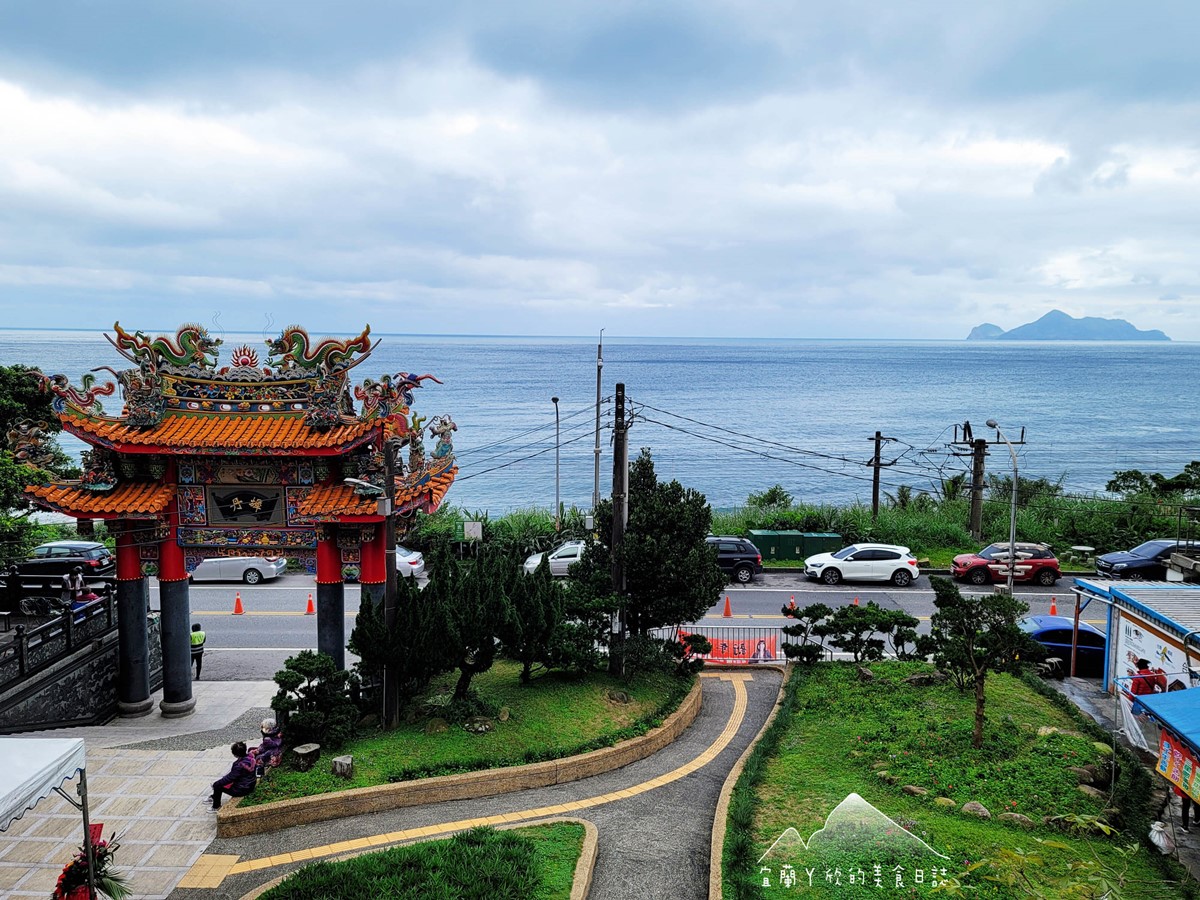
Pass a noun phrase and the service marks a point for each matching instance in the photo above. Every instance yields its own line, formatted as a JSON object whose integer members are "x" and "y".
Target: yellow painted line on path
{"x": 210, "y": 870}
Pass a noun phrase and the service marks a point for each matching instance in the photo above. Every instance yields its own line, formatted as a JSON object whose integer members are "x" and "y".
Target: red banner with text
{"x": 738, "y": 651}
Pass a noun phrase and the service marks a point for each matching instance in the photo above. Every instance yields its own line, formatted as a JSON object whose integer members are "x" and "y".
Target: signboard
{"x": 740, "y": 650}
{"x": 1178, "y": 765}
{"x": 468, "y": 531}
{"x": 1137, "y": 640}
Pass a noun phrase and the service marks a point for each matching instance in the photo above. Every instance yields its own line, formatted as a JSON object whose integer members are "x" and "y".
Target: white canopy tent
{"x": 33, "y": 768}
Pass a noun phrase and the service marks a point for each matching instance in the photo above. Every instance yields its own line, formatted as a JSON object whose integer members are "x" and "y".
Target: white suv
{"x": 864, "y": 562}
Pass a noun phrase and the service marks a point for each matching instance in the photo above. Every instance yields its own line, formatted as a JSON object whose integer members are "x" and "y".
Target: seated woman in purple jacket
{"x": 270, "y": 751}
{"x": 241, "y": 778}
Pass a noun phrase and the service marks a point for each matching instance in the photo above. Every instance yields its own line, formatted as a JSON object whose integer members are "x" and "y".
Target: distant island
{"x": 1056, "y": 325}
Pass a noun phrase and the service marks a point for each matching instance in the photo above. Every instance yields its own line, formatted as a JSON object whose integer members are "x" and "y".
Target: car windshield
{"x": 844, "y": 552}
{"x": 1148, "y": 550}
{"x": 996, "y": 551}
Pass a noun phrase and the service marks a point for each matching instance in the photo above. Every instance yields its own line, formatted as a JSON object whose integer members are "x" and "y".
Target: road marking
{"x": 211, "y": 869}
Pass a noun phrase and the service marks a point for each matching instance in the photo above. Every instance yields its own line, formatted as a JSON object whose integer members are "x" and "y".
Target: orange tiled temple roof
{"x": 266, "y": 434}
{"x": 328, "y": 500}
{"x": 132, "y": 499}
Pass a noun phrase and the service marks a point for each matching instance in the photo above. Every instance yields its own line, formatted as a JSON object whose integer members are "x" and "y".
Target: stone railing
{"x": 35, "y": 649}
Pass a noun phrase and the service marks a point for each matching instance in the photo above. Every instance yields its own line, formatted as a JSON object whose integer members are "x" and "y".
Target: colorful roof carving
{"x": 132, "y": 500}
{"x": 177, "y": 401}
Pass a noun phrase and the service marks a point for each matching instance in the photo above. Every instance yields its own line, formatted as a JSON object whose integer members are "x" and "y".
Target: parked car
{"x": 562, "y": 558}
{"x": 409, "y": 563}
{"x": 1146, "y": 561}
{"x": 250, "y": 569}
{"x": 864, "y": 562}
{"x": 1054, "y": 633}
{"x": 1035, "y": 562}
{"x": 738, "y": 558}
{"x": 60, "y": 557}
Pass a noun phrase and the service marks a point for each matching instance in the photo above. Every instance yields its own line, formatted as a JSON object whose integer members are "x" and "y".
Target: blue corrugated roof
{"x": 1179, "y": 711}
{"x": 1173, "y": 605}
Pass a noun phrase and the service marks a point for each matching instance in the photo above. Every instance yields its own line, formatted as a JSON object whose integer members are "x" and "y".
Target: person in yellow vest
{"x": 197, "y": 648}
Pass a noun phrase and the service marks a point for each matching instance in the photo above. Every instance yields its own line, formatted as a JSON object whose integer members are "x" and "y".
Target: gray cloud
{"x": 872, "y": 170}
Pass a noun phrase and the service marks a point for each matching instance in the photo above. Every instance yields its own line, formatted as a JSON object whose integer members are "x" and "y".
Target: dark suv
{"x": 737, "y": 557}
{"x": 60, "y": 557}
{"x": 1146, "y": 561}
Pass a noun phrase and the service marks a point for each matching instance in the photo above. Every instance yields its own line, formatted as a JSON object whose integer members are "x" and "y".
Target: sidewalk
{"x": 150, "y": 780}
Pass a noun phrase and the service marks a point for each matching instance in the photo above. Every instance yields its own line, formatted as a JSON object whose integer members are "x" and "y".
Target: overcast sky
{"x": 696, "y": 168}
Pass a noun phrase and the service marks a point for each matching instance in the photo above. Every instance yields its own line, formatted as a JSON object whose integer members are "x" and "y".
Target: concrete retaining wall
{"x": 233, "y": 821}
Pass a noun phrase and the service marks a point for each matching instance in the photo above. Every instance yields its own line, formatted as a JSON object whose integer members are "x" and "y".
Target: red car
{"x": 1035, "y": 562}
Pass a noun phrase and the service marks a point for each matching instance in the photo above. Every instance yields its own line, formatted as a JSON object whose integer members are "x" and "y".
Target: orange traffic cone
{"x": 311, "y": 611}
{"x": 728, "y": 614}
{"x": 792, "y": 602}
{"x": 856, "y": 601}
{"x": 237, "y": 604}
{"x": 1054, "y": 606}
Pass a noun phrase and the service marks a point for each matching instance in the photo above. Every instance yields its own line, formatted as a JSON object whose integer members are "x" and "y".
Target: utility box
{"x": 814, "y": 542}
{"x": 779, "y": 544}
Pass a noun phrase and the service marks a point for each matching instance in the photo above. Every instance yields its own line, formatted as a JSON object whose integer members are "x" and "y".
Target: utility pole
{"x": 876, "y": 463}
{"x": 599, "y": 368}
{"x": 391, "y": 695}
{"x": 557, "y": 501}
{"x": 620, "y": 514}
{"x": 977, "y": 449}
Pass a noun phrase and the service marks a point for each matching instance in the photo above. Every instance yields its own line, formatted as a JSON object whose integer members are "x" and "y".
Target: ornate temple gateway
{"x": 245, "y": 459}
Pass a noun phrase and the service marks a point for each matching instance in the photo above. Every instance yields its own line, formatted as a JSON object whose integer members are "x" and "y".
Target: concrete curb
{"x": 717, "y": 847}
{"x": 581, "y": 885}
{"x": 233, "y": 821}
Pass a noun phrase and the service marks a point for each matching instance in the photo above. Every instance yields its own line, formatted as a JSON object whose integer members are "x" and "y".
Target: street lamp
{"x": 1012, "y": 515}
{"x": 557, "y": 507}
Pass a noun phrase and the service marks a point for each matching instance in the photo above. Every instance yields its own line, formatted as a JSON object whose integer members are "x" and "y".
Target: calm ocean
{"x": 728, "y": 417}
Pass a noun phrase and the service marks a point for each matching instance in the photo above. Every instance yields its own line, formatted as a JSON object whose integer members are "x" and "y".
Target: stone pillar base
{"x": 177, "y": 710}
{"x": 134, "y": 710}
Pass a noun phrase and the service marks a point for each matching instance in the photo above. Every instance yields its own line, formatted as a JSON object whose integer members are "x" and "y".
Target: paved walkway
{"x": 149, "y": 779}
{"x": 654, "y": 817}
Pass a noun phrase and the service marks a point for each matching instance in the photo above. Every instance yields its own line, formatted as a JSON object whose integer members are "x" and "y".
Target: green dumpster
{"x": 779, "y": 544}
{"x": 814, "y": 542}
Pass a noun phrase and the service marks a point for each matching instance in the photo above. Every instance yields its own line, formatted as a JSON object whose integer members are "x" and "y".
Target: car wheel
{"x": 743, "y": 574}
{"x": 902, "y": 578}
{"x": 831, "y": 576}
{"x": 1134, "y": 576}
{"x": 1047, "y": 577}
{"x": 979, "y": 576}
{"x": 252, "y": 576}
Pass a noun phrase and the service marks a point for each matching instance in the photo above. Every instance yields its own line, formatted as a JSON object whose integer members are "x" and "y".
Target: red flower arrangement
{"x": 72, "y": 883}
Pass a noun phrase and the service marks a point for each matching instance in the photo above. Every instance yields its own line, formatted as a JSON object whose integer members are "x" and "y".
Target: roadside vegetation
{"x": 533, "y": 863}
{"x": 906, "y": 745}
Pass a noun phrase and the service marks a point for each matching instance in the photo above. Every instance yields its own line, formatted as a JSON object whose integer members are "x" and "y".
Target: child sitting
{"x": 269, "y": 753}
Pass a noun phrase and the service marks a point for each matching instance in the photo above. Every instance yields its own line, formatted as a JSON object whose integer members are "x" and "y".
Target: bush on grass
{"x": 480, "y": 864}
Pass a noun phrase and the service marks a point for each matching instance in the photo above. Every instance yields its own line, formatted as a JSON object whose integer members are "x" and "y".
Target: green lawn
{"x": 532, "y": 863}
{"x": 842, "y": 732}
{"x": 551, "y": 717}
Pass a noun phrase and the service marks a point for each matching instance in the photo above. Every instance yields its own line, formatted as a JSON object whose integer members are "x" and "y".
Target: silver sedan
{"x": 250, "y": 569}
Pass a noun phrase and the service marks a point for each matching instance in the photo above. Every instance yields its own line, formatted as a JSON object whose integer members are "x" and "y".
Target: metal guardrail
{"x": 38, "y": 648}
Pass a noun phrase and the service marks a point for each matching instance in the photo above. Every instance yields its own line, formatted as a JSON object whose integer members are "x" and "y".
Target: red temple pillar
{"x": 176, "y": 617}
{"x": 374, "y": 564}
{"x": 331, "y": 597}
{"x": 133, "y": 645}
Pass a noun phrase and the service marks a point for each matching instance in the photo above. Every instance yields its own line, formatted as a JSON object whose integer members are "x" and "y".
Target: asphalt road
{"x": 274, "y": 626}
